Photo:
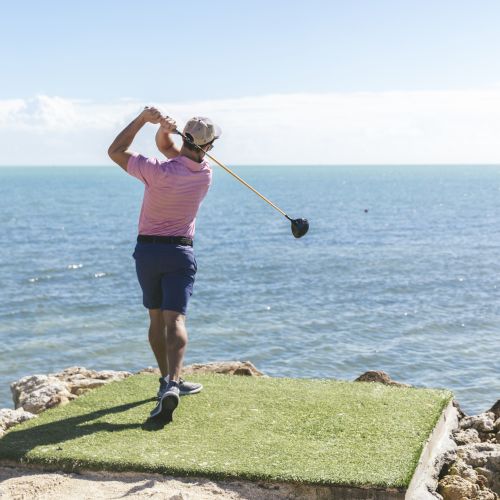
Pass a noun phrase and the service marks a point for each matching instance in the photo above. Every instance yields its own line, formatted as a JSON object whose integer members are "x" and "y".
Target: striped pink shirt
{"x": 174, "y": 190}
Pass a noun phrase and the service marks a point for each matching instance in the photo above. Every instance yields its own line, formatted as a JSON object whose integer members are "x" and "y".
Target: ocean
{"x": 400, "y": 272}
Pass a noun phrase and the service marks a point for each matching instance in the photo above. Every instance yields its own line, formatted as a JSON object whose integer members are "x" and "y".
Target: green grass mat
{"x": 307, "y": 431}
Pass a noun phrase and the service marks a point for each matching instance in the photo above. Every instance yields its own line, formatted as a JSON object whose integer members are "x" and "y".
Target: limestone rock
{"x": 461, "y": 413}
{"x": 457, "y": 488}
{"x": 487, "y": 474}
{"x": 485, "y": 458}
{"x": 475, "y": 471}
{"x": 483, "y": 422}
{"x": 9, "y": 418}
{"x": 466, "y": 436}
{"x": 481, "y": 455}
{"x": 38, "y": 392}
{"x": 81, "y": 380}
{"x": 379, "y": 376}
{"x": 495, "y": 409}
{"x": 223, "y": 367}
{"x": 486, "y": 495}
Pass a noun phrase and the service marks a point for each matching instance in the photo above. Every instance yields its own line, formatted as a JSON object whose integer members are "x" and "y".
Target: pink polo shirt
{"x": 174, "y": 190}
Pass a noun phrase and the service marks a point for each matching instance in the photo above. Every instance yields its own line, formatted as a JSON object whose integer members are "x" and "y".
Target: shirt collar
{"x": 191, "y": 164}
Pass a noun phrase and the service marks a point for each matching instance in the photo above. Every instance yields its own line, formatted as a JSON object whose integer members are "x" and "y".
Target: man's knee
{"x": 173, "y": 320}
{"x": 156, "y": 317}
{"x": 156, "y": 326}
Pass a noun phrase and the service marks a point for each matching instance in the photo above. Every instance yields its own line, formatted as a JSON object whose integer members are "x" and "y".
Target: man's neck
{"x": 196, "y": 156}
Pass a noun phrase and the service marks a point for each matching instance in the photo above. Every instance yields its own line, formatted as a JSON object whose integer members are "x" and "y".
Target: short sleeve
{"x": 144, "y": 169}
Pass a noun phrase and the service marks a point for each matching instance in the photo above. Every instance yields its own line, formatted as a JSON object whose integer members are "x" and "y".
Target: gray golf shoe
{"x": 185, "y": 388}
{"x": 167, "y": 402}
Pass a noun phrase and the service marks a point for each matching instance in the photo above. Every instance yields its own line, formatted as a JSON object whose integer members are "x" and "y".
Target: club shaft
{"x": 229, "y": 171}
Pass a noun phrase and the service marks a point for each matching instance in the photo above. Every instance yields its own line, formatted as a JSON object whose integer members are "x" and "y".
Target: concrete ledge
{"x": 425, "y": 479}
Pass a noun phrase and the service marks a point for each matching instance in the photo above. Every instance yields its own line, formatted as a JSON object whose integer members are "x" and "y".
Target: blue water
{"x": 411, "y": 287}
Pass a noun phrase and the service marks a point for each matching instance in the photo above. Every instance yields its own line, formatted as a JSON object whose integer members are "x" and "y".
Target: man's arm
{"x": 119, "y": 149}
{"x": 163, "y": 139}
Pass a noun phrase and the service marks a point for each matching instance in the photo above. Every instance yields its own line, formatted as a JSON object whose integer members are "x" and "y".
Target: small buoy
{"x": 366, "y": 210}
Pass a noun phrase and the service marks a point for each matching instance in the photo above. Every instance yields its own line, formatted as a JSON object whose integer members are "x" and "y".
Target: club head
{"x": 300, "y": 227}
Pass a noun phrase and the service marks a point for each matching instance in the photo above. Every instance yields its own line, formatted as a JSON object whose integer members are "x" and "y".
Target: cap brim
{"x": 217, "y": 131}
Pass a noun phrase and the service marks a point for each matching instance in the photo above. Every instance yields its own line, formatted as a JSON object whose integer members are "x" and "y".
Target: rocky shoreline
{"x": 469, "y": 471}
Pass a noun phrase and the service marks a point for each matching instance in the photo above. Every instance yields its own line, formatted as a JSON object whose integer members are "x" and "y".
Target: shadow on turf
{"x": 14, "y": 445}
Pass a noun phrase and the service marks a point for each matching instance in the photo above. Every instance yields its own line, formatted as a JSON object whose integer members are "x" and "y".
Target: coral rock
{"x": 457, "y": 488}
{"x": 466, "y": 436}
{"x": 9, "y": 418}
{"x": 39, "y": 392}
{"x": 495, "y": 409}
{"x": 81, "y": 380}
{"x": 223, "y": 367}
{"x": 483, "y": 422}
{"x": 379, "y": 376}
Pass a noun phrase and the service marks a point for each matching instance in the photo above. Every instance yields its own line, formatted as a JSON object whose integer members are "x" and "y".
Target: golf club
{"x": 299, "y": 226}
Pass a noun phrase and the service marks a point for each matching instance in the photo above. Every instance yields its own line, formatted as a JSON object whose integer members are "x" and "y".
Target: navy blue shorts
{"x": 166, "y": 274}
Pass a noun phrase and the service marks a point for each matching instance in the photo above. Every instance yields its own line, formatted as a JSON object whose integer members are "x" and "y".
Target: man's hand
{"x": 167, "y": 125}
{"x": 151, "y": 115}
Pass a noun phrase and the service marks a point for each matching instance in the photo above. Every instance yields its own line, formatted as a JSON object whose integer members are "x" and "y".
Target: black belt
{"x": 174, "y": 240}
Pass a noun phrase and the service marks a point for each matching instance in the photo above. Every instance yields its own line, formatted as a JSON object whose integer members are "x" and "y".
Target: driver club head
{"x": 300, "y": 227}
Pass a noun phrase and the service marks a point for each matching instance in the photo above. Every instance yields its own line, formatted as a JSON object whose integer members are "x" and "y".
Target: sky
{"x": 289, "y": 82}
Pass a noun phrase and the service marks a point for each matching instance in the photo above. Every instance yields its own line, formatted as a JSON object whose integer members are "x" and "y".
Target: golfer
{"x": 164, "y": 257}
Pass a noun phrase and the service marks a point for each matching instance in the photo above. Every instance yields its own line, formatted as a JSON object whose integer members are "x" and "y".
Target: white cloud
{"x": 334, "y": 128}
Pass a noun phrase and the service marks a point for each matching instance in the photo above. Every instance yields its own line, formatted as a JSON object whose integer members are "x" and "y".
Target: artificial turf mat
{"x": 306, "y": 431}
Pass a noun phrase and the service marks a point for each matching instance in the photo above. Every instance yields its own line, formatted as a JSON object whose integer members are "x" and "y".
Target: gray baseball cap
{"x": 202, "y": 130}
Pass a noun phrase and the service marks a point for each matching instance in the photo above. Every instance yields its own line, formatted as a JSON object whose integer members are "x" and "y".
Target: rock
{"x": 9, "y": 418}
{"x": 39, "y": 392}
{"x": 379, "y": 376}
{"x": 475, "y": 472}
{"x": 81, "y": 380}
{"x": 27, "y": 385}
{"x": 495, "y": 409}
{"x": 456, "y": 404}
{"x": 470, "y": 474}
{"x": 245, "y": 368}
{"x": 487, "y": 474}
{"x": 483, "y": 422}
{"x": 223, "y": 367}
{"x": 481, "y": 455}
{"x": 486, "y": 495}
{"x": 482, "y": 481}
{"x": 484, "y": 457}
{"x": 466, "y": 436}
{"x": 463, "y": 470}
{"x": 457, "y": 488}
{"x": 457, "y": 468}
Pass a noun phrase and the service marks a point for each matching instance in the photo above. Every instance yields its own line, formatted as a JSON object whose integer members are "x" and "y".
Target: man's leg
{"x": 158, "y": 339}
{"x": 176, "y": 342}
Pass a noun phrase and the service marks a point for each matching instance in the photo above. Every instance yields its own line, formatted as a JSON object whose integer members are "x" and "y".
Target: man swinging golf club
{"x": 164, "y": 257}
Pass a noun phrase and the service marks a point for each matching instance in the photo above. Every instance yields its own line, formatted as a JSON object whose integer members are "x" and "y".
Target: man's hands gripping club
{"x": 119, "y": 150}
